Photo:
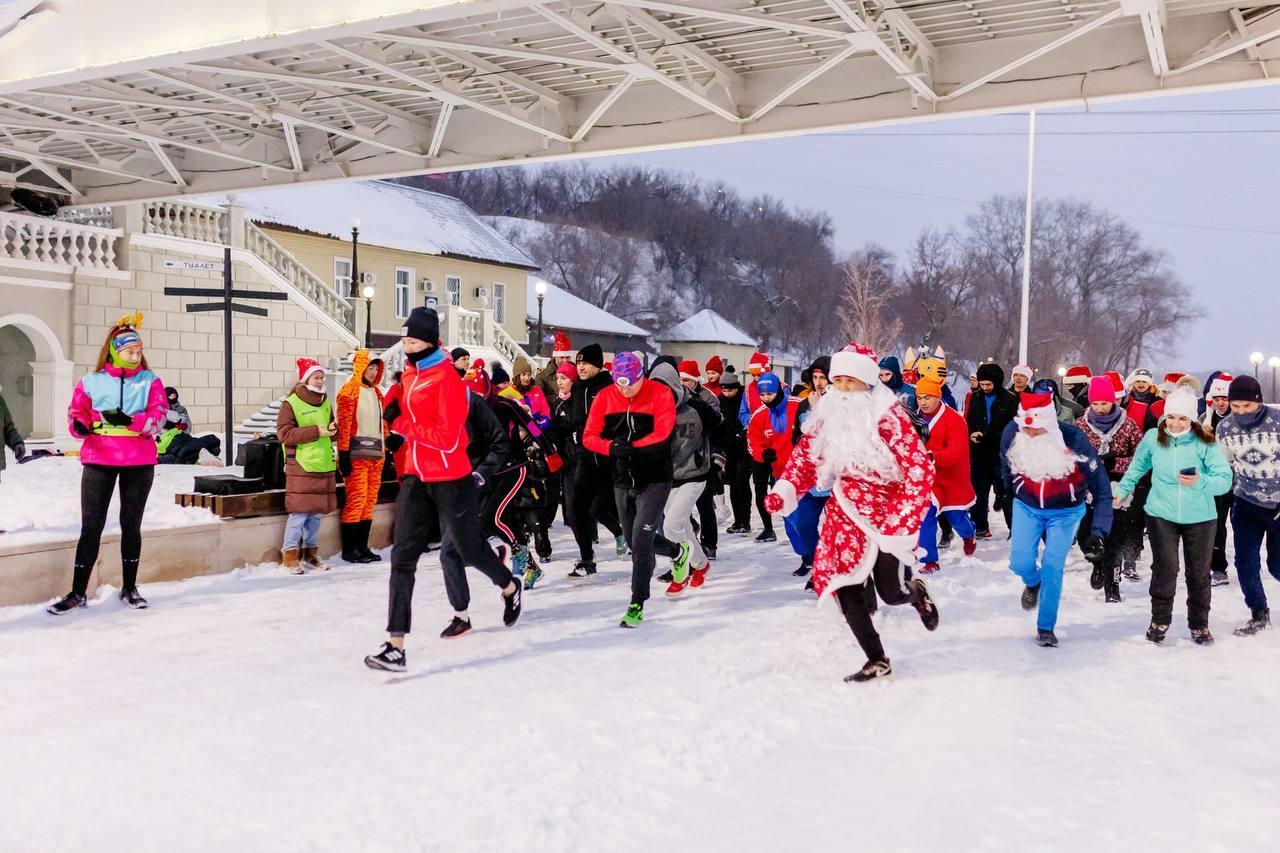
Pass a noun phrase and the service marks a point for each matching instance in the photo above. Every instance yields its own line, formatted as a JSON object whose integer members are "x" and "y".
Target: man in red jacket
{"x": 769, "y": 435}
{"x": 953, "y": 493}
{"x": 631, "y": 423}
{"x": 428, "y": 421}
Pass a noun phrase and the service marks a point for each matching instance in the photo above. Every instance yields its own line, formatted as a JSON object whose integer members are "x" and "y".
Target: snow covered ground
{"x": 236, "y": 715}
{"x": 40, "y": 501}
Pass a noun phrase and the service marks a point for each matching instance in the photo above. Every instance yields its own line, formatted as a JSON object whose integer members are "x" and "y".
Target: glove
{"x": 390, "y": 413}
{"x": 478, "y": 479}
{"x": 773, "y": 503}
{"x": 81, "y": 429}
{"x": 395, "y": 441}
{"x": 19, "y": 451}
{"x": 621, "y": 447}
{"x": 115, "y": 417}
{"x": 1094, "y": 548}
{"x": 344, "y": 462}
{"x": 770, "y": 456}
{"x": 718, "y": 462}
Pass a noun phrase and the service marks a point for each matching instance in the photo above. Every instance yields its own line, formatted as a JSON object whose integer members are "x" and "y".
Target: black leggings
{"x": 887, "y": 576}
{"x": 97, "y": 484}
{"x": 761, "y": 480}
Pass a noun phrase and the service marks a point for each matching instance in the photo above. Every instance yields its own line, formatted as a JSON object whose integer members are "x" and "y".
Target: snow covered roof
{"x": 393, "y": 216}
{"x": 707, "y": 327}
{"x": 563, "y": 310}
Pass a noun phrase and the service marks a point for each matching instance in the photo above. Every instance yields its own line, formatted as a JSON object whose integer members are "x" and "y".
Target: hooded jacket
{"x": 691, "y": 436}
{"x": 349, "y": 400}
{"x": 762, "y": 436}
{"x": 306, "y": 492}
{"x": 1087, "y": 479}
{"x": 581, "y": 398}
{"x": 905, "y": 393}
{"x": 989, "y": 414}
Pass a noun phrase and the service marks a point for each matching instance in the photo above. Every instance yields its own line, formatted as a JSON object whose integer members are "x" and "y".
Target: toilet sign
{"x": 205, "y": 266}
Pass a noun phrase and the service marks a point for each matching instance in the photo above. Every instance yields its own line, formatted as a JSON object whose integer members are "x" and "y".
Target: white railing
{"x": 282, "y": 261}
{"x": 50, "y": 241}
{"x": 502, "y": 342}
{"x": 392, "y": 360}
{"x": 99, "y": 215}
{"x": 460, "y": 327}
{"x": 186, "y": 220}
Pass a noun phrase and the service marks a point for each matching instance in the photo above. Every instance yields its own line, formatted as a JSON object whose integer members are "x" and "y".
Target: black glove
{"x": 19, "y": 451}
{"x": 395, "y": 441}
{"x": 115, "y": 417}
{"x": 344, "y": 462}
{"x": 1108, "y": 458}
{"x": 1094, "y": 548}
{"x": 81, "y": 429}
{"x": 621, "y": 448}
{"x": 770, "y": 456}
{"x": 390, "y": 413}
{"x": 478, "y": 479}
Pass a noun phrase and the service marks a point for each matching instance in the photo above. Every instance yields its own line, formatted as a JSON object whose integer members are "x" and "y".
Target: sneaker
{"x": 532, "y": 575}
{"x": 808, "y": 586}
{"x": 674, "y": 590}
{"x": 1030, "y": 597}
{"x": 456, "y": 628}
{"x": 947, "y": 538}
{"x": 710, "y": 551}
{"x": 582, "y": 571}
{"x": 1201, "y": 637}
{"x": 680, "y": 568}
{"x": 970, "y": 546}
{"x": 388, "y": 659}
{"x": 1047, "y": 639}
{"x": 803, "y": 571}
{"x": 767, "y": 536}
{"x": 67, "y": 603}
{"x": 620, "y": 545}
{"x": 1155, "y": 633}
{"x": 634, "y": 616}
{"x": 1113, "y": 593}
{"x": 512, "y": 603}
{"x": 542, "y": 544}
{"x": 738, "y": 528}
{"x": 133, "y": 598}
{"x": 929, "y": 568}
{"x": 982, "y": 534}
{"x": 1260, "y": 621}
{"x": 923, "y": 604}
{"x": 699, "y": 576}
{"x": 1220, "y": 579}
{"x": 1130, "y": 570}
{"x": 870, "y": 671}
{"x": 519, "y": 560}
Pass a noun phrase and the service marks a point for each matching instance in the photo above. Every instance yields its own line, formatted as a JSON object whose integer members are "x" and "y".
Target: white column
{"x": 51, "y": 385}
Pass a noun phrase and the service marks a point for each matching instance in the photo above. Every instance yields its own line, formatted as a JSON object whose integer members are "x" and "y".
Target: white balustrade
{"x": 186, "y": 220}
{"x": 52, "y": 241}
{"x": 99, "y": 215}
{"x": 314, "y": 288}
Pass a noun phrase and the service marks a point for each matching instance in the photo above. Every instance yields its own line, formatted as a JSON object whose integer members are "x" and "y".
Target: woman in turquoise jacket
{"x": 1188, "y": 469}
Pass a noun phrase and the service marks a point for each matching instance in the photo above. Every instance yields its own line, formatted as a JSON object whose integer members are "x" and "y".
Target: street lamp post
{"x": 355, "y": 255}
{"x": 1256, "y": 360}
{"x": 1274, "y": 364}
{"x": 541, "y": 290}
{"x": 367, "y": 293}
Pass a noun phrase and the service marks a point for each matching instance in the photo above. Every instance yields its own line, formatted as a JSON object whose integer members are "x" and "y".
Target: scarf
{"x": 778, "y": 410}
{"x": 1104, "y": 427}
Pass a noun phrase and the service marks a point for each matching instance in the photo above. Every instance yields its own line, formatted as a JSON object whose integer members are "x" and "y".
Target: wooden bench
{"x": 270, "y": 502}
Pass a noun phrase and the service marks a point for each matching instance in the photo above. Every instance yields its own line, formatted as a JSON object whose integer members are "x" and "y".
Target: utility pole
{"x": 1026, "y": 242}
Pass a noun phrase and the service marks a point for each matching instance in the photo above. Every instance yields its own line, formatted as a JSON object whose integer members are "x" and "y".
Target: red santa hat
{"x": 1036, "y": 411}
{"x": 306, "y": 367}
{"x": 757, "y": 364}
{"x": 715, "y": 364}
{"x": 563, "y": 347}
{"x": 478, "y": 364}
{"x": 689, "y": 370}
{"x": 1221, "y": 386}
{"x": 1117, "y": 384}
{"x": 1078, "y": 374}
{"x": 857, "y": 360}
{"x": 1172, "y": 378}
{"x": 1024, "y": 370}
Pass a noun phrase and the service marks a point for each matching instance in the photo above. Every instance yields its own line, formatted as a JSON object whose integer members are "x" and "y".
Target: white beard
{"x": 1041, "y": 457}
{"x": 846, "y": 438}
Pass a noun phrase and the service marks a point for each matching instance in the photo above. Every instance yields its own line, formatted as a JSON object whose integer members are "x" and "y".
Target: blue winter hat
{"x": 768, "y": 383}
{"x": 627, "y": 369}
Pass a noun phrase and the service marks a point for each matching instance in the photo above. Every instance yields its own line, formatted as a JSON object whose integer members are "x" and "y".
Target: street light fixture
{"x": 1256, "y": 360}
{"x": 540, "y": 288}
{"x": 1062, "y": 371}
{"x": 367, "y": 293}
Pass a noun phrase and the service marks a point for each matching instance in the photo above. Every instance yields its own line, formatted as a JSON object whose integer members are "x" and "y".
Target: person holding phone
{"x": 1188, "y": 470}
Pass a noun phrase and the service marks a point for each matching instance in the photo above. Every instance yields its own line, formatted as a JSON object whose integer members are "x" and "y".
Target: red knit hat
{"x": 563, "y": 347}
{"x": 757, "y": 364}
{"x": 689, "y": 370}
{"x": 1078, "y": 374}
{"x": 1037, "y": 411}
{"x": 478, "y": 364}
{"x": 715, "y": 364}
{"x": 306, "y": 367}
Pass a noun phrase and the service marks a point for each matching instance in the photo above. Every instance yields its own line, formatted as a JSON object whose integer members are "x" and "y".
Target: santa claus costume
{"x": 1050, "y": 469}
{"x": 861, "y": 445}
{"x": 953, "y": 493}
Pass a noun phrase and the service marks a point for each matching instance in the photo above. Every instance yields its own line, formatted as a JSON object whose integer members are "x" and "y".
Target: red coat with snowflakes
{"x": 948, "y": 444}
{"x": 866, "y": 514}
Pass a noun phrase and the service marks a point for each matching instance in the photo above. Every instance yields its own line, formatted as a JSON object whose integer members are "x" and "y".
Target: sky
{"x": 1198, "y": 176}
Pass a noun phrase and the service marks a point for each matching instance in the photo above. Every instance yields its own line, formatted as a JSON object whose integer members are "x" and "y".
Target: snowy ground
{"x": 236, "y": 715}
{"x": 40, "y": 500}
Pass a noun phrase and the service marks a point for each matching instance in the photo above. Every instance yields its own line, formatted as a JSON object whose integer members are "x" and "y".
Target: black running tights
{"x": 97, "y": 484}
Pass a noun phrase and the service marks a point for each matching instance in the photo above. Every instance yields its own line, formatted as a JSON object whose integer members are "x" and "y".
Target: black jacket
{"x": 733, "y": 438}
{"x": 1003, "y": 410}
{"x": 488, "y": 447}
{"x": 580, "y": 399}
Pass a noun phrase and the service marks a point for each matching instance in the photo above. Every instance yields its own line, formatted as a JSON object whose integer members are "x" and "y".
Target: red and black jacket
{"x": 646, "y": 421}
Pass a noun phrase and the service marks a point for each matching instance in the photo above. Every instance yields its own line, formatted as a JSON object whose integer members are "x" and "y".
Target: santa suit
{"x": 953, "y": 493}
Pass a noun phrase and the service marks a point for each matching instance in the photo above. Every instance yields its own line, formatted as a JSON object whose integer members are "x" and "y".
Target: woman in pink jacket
{"x": 118, "y": 410}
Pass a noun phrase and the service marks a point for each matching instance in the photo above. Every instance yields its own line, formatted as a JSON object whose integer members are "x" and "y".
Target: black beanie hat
{"x": 592, "y": 354}
{"x": 1245, "y": 389}
{"x": 991, "y": 372}
{"x": 423, "y": 324}
{"x": 500, "y": 375}
{"x": 457, "y": 353}
{"x": 171, "y": 392}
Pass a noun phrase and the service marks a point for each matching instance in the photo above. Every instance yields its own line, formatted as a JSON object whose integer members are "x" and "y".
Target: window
{"x": 342, "y": 276}
{"x": 404, "y": 285}
{"x": 499, "y": 303}
{"x": 453, "y": 286}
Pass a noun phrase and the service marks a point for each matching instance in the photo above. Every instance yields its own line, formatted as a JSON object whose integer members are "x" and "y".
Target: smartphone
{"x": 1187, "y": 472}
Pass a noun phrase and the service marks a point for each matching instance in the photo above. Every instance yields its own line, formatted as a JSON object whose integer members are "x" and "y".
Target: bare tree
{"x": 868, "y": 291}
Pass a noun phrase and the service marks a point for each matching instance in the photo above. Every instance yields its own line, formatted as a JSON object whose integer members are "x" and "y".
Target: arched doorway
{"x": 36, "y": 376}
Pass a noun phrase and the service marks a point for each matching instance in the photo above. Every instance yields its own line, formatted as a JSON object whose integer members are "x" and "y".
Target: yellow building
{"x": 414, "y": 246}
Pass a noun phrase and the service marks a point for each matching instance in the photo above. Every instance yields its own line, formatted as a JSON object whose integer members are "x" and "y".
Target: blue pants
{"x": 302, "y": 530}
{"x": 1057, "y": 527}
{"x": 802, "y": 525}
{"x": 961, "y": 523}
{"x": 1251, "y": 523}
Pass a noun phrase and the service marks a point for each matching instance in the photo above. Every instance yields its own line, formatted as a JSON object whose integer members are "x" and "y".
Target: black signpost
{"x": 224, "y": 303}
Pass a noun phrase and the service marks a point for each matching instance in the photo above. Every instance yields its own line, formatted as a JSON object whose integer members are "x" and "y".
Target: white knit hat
{"x": 1023, "y": 370}
{"x": 1182, "y": 402}
{"x": 856, "y": 360}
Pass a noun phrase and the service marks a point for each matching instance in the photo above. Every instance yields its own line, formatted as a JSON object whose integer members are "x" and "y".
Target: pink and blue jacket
{"x": 136, "y": 392}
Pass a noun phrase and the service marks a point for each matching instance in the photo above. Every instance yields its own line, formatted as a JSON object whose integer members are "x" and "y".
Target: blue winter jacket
{"x": 1089, "y": 479}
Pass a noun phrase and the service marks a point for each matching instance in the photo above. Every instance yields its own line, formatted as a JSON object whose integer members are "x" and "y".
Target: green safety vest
{"x": 314, "y": 457}
{"x": 165, "y": 439}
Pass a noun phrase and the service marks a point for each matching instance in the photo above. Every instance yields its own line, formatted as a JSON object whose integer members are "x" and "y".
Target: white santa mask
{"x": 1041, "y": 457}
{"x": 846, "y": 437}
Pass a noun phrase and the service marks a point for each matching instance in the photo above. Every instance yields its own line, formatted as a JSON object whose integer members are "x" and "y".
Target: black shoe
{"x": 133, "y": 598}
{"x": 1155, "y": 633}
{"x": 511, "y": 603}
{"x": 803, "y": 571}
{"x": 870, "y": 671}
{"x": 1113, "y": 593}
{"x": 738, "y": 528}
{"x": 997, "y": 505}
{"x": 1220, "y": 579}
{"x": 666, "y": 577}
{"x": 923, "y": 603}
{"x": 1130, "y": 570}
{"x": 1201, "y": 637}
{"x": 367, "y": 554}
{"x": 456, "y": 628}
{"x": 767, "y": 536}
{"x": 582, "y": 571}
{"x": 65, "y": 605}
{"x": 808, "y": 587}
{"x": 542, "y": 545}
{"x": 1098, "y": 579}
{"x": 1047, "y": 639}
{"x": 710, "y": 551}
{"x": 1259, "y": 621}
{"x": 1030, "y": 597}
{"x": 388, "y": 659}
{"x": 947, "y": 539}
